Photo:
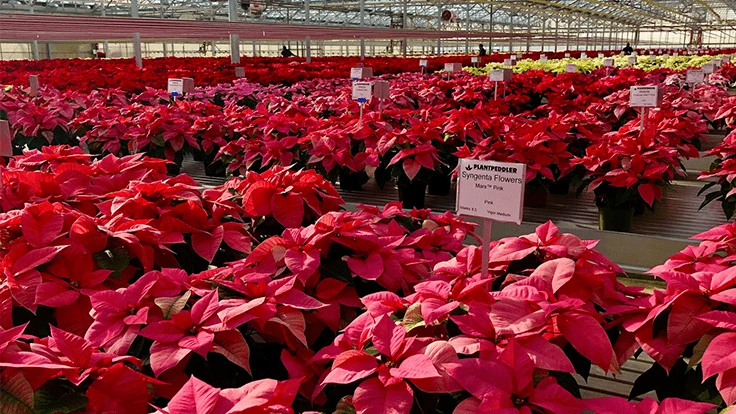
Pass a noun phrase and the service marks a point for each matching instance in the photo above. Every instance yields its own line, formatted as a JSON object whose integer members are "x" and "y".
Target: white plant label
{"x": 567, "y": 55}
{"x": 666, "y": 56}
{"x": 176, "y": 86}
{"x": 695, "y": 76}
{"x": 239, "y": 72}
{"x": 188, "y": 85}
{"x": 652, "y": 58}
{"x": 491, "y": 190}
{"x": 608, "y": 63}
{"x": 583, "y": 55}
{"x": 632, "y": 60}
{"x": 33, "y": 83}
{"x": 381, "y": 89}
{"x": 645, "y": 97}
{"x": 475, "y": 59}
{"x": 423, "y": 63}
{"x": 726, "y": 59}
{"x": 717, "y": 63}
{"x": 500, "y": 75}
{"x": 6, "y": 141}
{"x": 453, "y": 67}
{"x": 519, "y": 56}
{"x": 356, "y": 73}
{"x": 543, "y": 58}
{"x": 509, "y": 62}
{"x": 708, "y": 68}
{"x": 362, "y": 91}
{"x": 571, "y": 68}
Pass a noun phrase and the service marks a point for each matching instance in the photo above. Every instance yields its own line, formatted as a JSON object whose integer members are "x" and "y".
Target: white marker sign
{"x": 475, "y": 59}
{"x": 645, "y": 96}
{"x": 6, "y": 141}
{"x": 423, "y": 63}
{"x": 33, "y": 83}
{"x": 695, "y": 76}
{"x": 583, "y": 55}
{"x": 608, "y": 63}
{"x": 708, "y": 68}
{"x": 361, "y": 73}
{"x": 601, "y": 56}
{"x": 571, "y": 68}
{"x": 632, "y": 60}
{"x": 717, "y": 63}
{"x": 508, "y": 62}
{"x": 491, "y": 190}
{"x": 567, "y": 55}
{"x": 725, "y": 59}
{"x": 176, "y": 86}
{"x": 362, "y": 91}
{"x": 453, "y": 67}
{"x": 500, "y": 75}
{"x": 381, "y": 89}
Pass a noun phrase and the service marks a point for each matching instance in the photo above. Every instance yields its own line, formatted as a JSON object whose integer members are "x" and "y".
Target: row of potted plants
{"x": 415, "y": 138}
{"x": 126, "y": 290}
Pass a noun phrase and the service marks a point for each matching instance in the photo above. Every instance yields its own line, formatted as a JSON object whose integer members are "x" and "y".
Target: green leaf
{"x": 729, "y": 207}
{"x": 173, "y": 305}
{"x": 116, "y": 259}
{"x": 16, "y": 395}
{"x": 54, "y": 398}
{"x": 413, "y": 317}
{"x": 706, "y": 187}
{"x": 699, "y": 350}
{"x": 708, "y": 198}
{"x": 345, "y": 405}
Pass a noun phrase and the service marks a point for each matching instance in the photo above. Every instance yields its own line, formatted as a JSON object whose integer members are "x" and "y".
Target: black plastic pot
{"x": 350, "y": 181}
{"x": 535, "y": 196}
{"x": 560, "y": 187}
{"x": 439, "y": 185}
{"x": 175, "y": 168}
{"x": 213, "y": 168}
{"x": 614, "y": 219}
{"x": 412, "y": 195}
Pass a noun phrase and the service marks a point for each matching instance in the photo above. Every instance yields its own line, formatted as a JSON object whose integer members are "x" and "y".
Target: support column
{"x": 133, "y": 8}
{"x": 362, "y": 23}
{"x": 439, "y": 28}
{"x": 490, "y": 39}
{"x": 467, "y": 29}
{"x": 308, "y": 49}
{"x": 511, "y": 33}
{"x": 234, "y": 48}
{"x": 557, "y": 33}
{"x": 34, "y": 48}
{"x": 528, "y": 32}
{"x": 137, "y": 50}
{"x": 105, "y": 44}
{"x": 232, "y": 10}
{"x": 404, "y": 24}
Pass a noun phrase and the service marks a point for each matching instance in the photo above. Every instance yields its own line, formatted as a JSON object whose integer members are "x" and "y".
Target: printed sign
{"x": 356, "y": 73}
{"x": 491, "y": 190}
{"x": 583, "y": 55}
{"x": 500, "y": 75}
{"x": 652, "y": 58}
{"x": 645, "y": 96}
{"x": 725, "y": 59}
{"x": 6, "y": 141}
{"x": 543, "y": 59}
{"x": 717, "y": 63}
{"x": 381, "y": 89}
{"x": 453, "y": 67}
{"x": 362, "y": 91}
{"x": 708, "y": 68}
{"x": 608, "y": 63}
{"x": 475, "y": 59}
{"x": 509, "y": 62}
{"x": 666, "y": 56}
{"x": 423, "y": 63}
{"x": 567, "y": 55}
{"x": 695, "y": 76}
{"x": 601, "y": 56}
{"x": 571, "y": 68}
{"x": 188, "y": 85}
{"x": 33, "y": 82}
{"x": 239, "y": 72}
{"x": 632, "y": 60}
{"x": 519, "y": 56}
{"x": 176, "y": 86}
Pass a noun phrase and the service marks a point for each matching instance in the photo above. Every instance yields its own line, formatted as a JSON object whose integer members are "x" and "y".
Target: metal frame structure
{"x": 509, "y": 24}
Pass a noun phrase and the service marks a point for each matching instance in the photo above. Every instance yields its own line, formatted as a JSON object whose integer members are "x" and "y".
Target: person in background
{"x": 481, "y": 50}
{"x": 285, "y": 52}
{"x": 628, "y": 49}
